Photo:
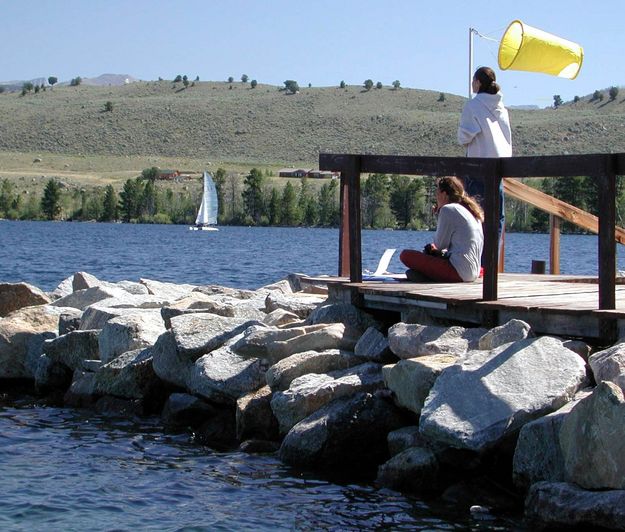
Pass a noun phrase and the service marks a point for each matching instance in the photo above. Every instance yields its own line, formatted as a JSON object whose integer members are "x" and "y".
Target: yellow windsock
{"x": 525, "y": 48}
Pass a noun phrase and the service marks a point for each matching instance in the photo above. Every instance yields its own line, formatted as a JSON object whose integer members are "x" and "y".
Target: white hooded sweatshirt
{"x": 485, "y": 127}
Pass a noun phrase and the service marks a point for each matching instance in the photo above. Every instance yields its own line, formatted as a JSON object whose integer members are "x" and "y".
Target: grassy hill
{"x": 162, "y": 124}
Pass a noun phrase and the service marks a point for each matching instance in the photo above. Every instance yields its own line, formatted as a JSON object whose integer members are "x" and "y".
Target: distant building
{"x": 168, "y": 174}
{"x": 321, "y": 174}
{"x": 294, "y": 172}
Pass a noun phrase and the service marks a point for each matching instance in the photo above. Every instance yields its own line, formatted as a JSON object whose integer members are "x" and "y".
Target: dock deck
{"x": 551, "y": 304}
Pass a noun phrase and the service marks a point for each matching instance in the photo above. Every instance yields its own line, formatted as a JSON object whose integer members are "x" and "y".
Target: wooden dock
{"x": 552, "y": 304}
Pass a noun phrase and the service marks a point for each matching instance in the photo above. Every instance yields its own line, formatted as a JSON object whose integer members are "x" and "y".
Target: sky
{"x": 422, "y": 43}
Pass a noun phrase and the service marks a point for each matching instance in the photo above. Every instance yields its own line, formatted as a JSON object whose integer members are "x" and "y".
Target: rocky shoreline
{"x": 494, "y": 420}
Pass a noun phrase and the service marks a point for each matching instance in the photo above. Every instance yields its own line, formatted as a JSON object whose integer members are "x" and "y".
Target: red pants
{"x": 435, "y": 268}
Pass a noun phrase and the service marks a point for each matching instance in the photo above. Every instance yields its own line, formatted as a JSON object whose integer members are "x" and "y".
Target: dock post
{"x": 350, "y": 251}
{"x": 490, "y": 256}
{"x": 607, "y": 220}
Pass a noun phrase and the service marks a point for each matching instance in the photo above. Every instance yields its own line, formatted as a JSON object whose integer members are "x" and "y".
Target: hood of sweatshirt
{"x": 493, "y": 102}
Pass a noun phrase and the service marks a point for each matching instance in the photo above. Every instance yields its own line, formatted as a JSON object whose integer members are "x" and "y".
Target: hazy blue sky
{"x": 424, "y": 44}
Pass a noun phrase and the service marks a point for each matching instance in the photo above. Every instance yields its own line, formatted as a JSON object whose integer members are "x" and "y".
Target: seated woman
{"x": 455, "y": 254}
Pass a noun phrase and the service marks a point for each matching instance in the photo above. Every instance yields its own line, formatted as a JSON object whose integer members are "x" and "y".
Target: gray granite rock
{"x": 512, "y": 331}
{"x": 168, "y": 291}
{"x": 592, "y": 439}
{"x": 373, "y": 346}
{"x": 129, "y": 332}
{"x": 411, "y": 379}
{"x": 560, "y": 505}
{"x": 490, "y": 394}
{"x": 415, "y": 469}
{"x": 349, "y": 315}
{"x": 73, "y": 348}
{"x": 310, "y": 392}
{"x": 183, "y": 410}
{"x": 300, "y": 304}
{"x": 254, "y": 417}
{"x": 413, "y": 340}
{"x": 82, "y": 299}
{"x": 281, "y": 374}
{"x": 609, "y": 365}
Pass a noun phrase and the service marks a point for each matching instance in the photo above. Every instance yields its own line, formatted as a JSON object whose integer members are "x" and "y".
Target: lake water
{"x": 66, "y": 469}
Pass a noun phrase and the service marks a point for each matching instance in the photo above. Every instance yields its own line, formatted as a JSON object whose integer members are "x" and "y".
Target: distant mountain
{"x": 105, "y": 80}
{"x": 113, "y": 80}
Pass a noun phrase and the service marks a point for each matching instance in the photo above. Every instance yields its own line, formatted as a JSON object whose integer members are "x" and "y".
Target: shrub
{"x": 613, "y": 93}
{"x": 368, "y": 84}
{"x": 576, "y": 99}
{"x": 441, "y": 97}
{"x": 244, "y": 78}
{"x": 557, "y": 100}
{"x": 253, "y": 83}
{"x": 396, "y": 84}
{"x": 378, "y": 85}
{"x": 108, "y": 107}
{"x": 342, "y": 85}
{"x": 291, "y": 86}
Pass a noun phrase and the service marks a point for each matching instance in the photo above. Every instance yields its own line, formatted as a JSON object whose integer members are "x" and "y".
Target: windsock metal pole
{"x": 471, "y": 32}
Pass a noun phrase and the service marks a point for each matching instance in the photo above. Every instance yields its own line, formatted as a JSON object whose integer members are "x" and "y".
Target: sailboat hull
{"x": 203, "y": 228}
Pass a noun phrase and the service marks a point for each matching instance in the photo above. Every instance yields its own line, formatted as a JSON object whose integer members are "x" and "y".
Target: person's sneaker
{"x": 415, "y": 276}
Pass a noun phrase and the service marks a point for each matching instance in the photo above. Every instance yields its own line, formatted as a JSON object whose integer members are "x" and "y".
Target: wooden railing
{"x": 602, "y": 167}
{"x": 558, "y": 210}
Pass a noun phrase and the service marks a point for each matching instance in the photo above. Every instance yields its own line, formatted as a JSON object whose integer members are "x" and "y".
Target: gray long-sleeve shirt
{"x": 461, "y": 234}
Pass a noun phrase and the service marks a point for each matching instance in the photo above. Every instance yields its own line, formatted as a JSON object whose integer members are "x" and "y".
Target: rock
{"x": 256, "y": 340}
{"x": 537, "y": 455}
{"x": 401, "y": 439}
{"x": 349, "y": 315}
{"x": 409, "y": 341}
{"x": 197, "y": 334}
{"x": 14, "y": 296}
{"x": 183, "y": 410}
{"x": 415, "y": 469}
{"x": 120, "y": 407}
{"x": 281, "y": 374}
{"x": 347, "y": 434}
{"x": 131, "y": 287}
{"x": 334, "y": 336}
{"x": 558, "y": 504}
{"x": 609, "y": 365}
{"x": 84, "y": 280}
{"x": 89, "y": 296}
{"x": 134, "y": 301}
{"x": 310, "y": 392}
{"x": 168, "y": 363}
{"x": 218, "y": 432}
{"x": 69, "y": 321}
{"x": 280, "y": 317}
{"x": 222, "y": 376}
{"x": 51, "y": 375}
{"x": 129, "y": 332}
{"x": 73, "y": 348}
{"x": 592, "y": 438}
{"x": 254, "y": 417}
{"x": 168, "y": 291}
{"x": 129, "y": 376}
{"x": 373, "y": 346}
{"x": 411, "y": 379}
{"x": 63, "y": 289}
{"x": 512, "y": 331}
{"x": 220, "y": 304}
{"x": 81, "y": 391}
{"x": 17, "y": 330}
{"x": 236, "y": 293}
{"x": 283, "y": 286}
{"x": 476, "y": 403}
{"x": 96, "y": 316}
{"x": 301, "y": 304}
{"x": 579, "y": 347}
{"x": 259, "y": 446}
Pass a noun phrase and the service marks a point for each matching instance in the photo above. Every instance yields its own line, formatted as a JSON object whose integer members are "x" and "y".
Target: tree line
{"x": 387, "y": 201}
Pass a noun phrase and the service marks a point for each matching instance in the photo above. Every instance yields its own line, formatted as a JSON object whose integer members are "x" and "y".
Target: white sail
{"x": 207, "y": 215}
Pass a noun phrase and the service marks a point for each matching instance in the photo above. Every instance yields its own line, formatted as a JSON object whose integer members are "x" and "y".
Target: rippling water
{"x": 64, "y": 469}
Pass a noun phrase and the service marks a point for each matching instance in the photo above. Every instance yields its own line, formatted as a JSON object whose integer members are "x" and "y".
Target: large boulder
{"x": 14, "y": 296}
{"x": 256, "y": 341}
{"x": 83, "y": 280}
{"x": 223, "y": 305}
{"x": 222, "y": 376}
{"x": 348, "y": 315}
{"x": 17, "y": 330}
{"x": 415, "y": 469}
{"x": 130, "y": 375}
{"x": 82, "y": 299}
{"x": 280, "y": 318}
{"x": 73, "y": 348}
{"x": 183, "y": 410}
{"x": 537, "y": 455}
{"x": 411, "y": 379}
{"x": 347, "y": 434}
{"x": 413, "y": 340}
{"x": 129, "y": 332}
{"x": 373, "y": 346}
{"x": 168, "y": 291}
{"x": 281, "y": 374}
{"x": 310, "y": 392}
{"x": 512, "y": 331}
{"x": 562, "y": 506}
{"x": 609, "y": 365}
{"x": 198, "y": 334}
{"x": 96, "y": 316}
{"x": 592, "y": 438}
{"x": 489, "y": 395}
{"x": 300, "y": 304}
{"x": 254, "y": 417}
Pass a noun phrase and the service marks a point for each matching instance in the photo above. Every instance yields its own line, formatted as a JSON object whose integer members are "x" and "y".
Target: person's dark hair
{"x": 486, "y": 77}
{"x": 456, "y": 194}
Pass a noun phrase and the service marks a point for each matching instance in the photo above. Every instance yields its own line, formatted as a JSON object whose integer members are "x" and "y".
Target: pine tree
{"x": 50, "y": 203}
{"x": 110, "y": 205}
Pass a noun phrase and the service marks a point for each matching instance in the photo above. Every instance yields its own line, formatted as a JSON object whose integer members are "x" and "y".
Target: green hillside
{"x": 237, "y": 124}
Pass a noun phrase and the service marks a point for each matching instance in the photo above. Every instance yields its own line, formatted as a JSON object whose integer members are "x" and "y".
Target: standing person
{"x": 484, "y": 130}
{"x": 455, "y": 254}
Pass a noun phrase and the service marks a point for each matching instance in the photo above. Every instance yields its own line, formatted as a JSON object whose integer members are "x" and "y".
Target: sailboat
{"x": 206, "y": 219}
